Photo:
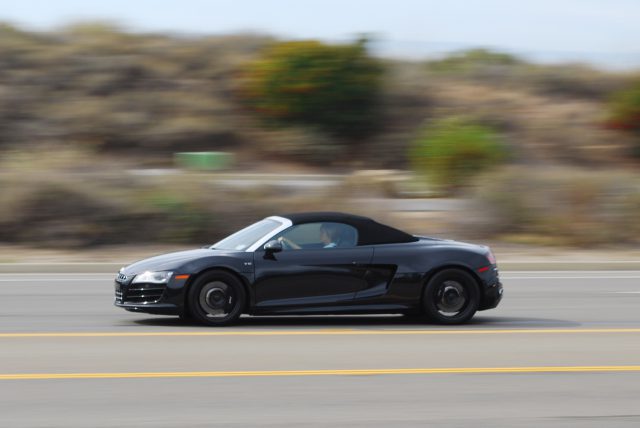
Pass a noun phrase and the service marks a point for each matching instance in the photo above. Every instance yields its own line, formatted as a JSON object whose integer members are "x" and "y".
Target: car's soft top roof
{"x": 370, "y": 232}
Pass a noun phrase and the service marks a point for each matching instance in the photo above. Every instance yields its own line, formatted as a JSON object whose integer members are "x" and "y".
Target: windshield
{"x": 244, "y": 238}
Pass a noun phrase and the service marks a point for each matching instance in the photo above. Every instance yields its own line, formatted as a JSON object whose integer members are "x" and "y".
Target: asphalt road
{"x": 562, "y": 350}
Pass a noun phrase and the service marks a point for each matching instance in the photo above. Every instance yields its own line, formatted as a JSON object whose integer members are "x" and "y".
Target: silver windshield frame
{"x": 285, "y": 223}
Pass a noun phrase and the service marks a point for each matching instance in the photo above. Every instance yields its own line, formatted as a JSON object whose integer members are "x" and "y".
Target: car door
{"x": 317, "y": 274}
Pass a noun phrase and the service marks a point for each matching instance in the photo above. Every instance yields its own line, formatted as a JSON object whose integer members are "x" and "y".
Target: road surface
{"x": 562, "y": 349}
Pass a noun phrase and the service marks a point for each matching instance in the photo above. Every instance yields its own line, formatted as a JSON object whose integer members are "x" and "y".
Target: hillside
{"x": 82, "y": 107}
{"x": 96, "y": 87}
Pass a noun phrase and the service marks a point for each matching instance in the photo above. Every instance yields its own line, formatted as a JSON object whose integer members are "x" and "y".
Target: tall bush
{"x": 332, "y": 87}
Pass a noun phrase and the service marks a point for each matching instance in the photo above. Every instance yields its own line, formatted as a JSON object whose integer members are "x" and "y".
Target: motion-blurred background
{"x": 178, "y": 122}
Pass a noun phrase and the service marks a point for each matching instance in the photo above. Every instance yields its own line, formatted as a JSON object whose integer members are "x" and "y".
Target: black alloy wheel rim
{"x": 217, "y": 299}
{"x": 451, "y": 298}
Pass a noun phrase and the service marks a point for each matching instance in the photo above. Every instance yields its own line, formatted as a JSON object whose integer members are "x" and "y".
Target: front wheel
{"x": 451, "y": 297}
{"x": 216, "y": 298}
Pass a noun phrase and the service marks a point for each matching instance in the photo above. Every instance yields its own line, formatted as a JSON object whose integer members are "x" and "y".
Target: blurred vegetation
{"x": 95, "y": 85}
{"x": 625, "y": 114}
{"x": 69, "y": 199}
{"x": 452, "y": 151}
{"x": 334, "y": 88}
{"x": 83, "y": 105}
{"x": 505, "y": 70}
{"x": 558, "y": 206}
{"x": 475, "y": 62}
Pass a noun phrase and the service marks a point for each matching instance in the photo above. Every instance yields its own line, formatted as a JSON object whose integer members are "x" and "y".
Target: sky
{"x": 605, "y": 33}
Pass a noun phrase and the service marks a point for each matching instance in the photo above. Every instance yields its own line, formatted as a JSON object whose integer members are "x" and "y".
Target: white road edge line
{"x": 570, "y": 277}
{"x": 54, "y": 280}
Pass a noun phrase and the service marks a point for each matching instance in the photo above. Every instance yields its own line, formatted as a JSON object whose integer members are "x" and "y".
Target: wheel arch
{"x": 430, "y": 274}
{"x": 194, "y": 277}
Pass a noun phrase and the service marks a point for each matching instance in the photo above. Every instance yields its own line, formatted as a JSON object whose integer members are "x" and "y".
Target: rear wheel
{"x": 216, "y": 298}
{"x": 451, "y": 297}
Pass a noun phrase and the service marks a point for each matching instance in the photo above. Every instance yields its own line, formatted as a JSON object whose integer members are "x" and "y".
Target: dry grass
{"x": 74, "y": 199}
{"x": 558, "y": 206}
{"x": 539, "y": 128}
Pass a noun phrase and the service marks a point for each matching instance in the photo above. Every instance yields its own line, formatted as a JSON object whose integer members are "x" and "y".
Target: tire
{"x": 216, "y": 298}
{"x": 451, "y": 297}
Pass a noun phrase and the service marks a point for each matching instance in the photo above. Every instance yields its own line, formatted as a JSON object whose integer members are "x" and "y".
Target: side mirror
{"x": 273, "y": 246}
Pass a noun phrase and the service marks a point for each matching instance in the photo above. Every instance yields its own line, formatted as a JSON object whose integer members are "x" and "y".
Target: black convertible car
{"x": 315, "y": 263}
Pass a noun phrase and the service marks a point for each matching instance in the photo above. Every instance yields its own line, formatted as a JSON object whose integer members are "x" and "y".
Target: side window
{"x": 319, "y": 235}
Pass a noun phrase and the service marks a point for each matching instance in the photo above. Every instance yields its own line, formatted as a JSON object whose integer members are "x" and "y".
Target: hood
{"x": 169, "y": 261}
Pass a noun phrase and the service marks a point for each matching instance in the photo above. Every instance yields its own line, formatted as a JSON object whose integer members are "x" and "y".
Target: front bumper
{"x": 151, "y": 308}
{"x": 160, "y": 299}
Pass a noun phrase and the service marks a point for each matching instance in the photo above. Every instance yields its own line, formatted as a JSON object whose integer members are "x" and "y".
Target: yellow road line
{"x": 328, "y": 332}
{"x": 346, "y": 372}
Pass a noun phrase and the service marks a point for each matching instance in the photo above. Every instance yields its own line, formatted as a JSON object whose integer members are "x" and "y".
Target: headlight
{"x": 153, "y": 277}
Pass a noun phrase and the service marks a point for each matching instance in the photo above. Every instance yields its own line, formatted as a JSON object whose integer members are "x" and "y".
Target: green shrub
{"x": 624, "y": 113}
{"x": 332, "y": 87}
{"x": 450, "y": 152}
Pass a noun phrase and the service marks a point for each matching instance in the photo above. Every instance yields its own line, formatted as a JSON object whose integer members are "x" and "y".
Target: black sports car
{"x": 315, "y": 263}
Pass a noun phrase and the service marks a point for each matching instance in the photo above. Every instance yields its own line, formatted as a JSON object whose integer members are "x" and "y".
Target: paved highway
{"x": 563, "y": 349}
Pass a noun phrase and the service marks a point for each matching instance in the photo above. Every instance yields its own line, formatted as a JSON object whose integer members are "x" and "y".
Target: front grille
{"x": 144, "y": 293}
{"x": 139, "y": 293}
